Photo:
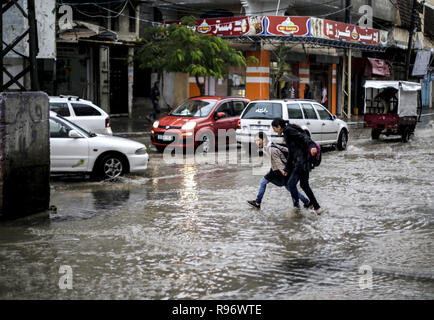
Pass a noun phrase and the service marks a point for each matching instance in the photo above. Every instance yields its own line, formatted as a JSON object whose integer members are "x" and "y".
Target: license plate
{"x": 165, "y": 137}
{"x": 259, "y": 127}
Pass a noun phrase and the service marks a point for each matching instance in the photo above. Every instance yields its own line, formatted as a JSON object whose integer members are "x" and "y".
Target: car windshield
{"x": 78, "y": 128}
{"x": 263, "y": 110}
{"x": 194, "y": 108}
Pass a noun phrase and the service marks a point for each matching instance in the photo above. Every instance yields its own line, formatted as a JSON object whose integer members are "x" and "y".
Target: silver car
{"x": 323, "y": 127}
{"x": 83, "y": 113}
{"x": 75, "y": 150}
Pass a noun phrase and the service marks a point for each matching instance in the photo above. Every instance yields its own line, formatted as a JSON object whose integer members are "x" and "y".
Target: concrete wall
{"x": 24, "y": 154}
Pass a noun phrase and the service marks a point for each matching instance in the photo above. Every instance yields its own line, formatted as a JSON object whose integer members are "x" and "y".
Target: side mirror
{"x": 74, "y": 134}
{"x": 220, "y": 115}
{"x": 334, "y": 117}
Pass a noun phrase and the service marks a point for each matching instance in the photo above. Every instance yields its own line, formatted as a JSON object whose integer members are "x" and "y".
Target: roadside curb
{"x": 130, "y": 134}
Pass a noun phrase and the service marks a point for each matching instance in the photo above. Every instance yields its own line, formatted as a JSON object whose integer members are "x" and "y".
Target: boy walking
{"x": 275, "y": 175}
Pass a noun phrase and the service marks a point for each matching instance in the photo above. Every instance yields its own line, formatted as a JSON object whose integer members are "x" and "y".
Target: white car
{"x": 82, "y": 112}
{"x": 323, "y": 127}
{"x": 73, "y": 149}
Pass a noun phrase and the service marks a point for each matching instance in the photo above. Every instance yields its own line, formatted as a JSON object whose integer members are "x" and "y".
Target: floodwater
{"x": 185, "y": 231}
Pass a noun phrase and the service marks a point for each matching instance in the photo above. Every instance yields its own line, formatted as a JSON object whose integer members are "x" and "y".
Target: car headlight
{"x": 141, "y": 151}
{"x": 156, "y": 124}
{"x": 189, "y": 125}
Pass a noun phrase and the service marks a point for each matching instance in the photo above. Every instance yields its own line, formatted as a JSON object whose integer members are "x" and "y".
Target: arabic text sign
{"x": 352, "y": 33}
{"x": 286, "y": 26}
{"x": 290, "y": 26}
{"x": 223, "y": 26}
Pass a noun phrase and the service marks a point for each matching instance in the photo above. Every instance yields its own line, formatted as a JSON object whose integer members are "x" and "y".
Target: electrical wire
{"x": 159, "y": 23}
{"x": 90, "y": 3}
{"x": 332, "y": 13}
{"x": 102, "y": 16}
{"x": 135, "y": 18}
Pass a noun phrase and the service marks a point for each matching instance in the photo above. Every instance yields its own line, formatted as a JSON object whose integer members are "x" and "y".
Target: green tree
{"x": 280, "y": 53}
{"x": 179, "y": 48}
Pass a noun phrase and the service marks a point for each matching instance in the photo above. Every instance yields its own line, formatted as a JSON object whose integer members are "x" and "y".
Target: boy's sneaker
{"x": 318, "y": 211}
{"x": 254, "y": 204}
{"x": 307, "y": 205}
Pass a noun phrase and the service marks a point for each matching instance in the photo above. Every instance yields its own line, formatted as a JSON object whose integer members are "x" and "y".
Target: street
{"x": 186, "y": 232}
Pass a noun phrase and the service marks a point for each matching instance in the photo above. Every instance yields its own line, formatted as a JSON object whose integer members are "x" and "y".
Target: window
{"x": 309, "y": 112}
{"x": 58, "y": 130}
{"x": 226, "y": 108}
{"x": 263, "y": 110}
{"x": 60, "y": 108}
{"x": 132, "y": 20}
{"x": 238, "y": 107}
{"x": 323, "y": 113}
{"x": 194, "y": 108}
{"x": 294, "y": 111}
{"x": 81, "y": 110}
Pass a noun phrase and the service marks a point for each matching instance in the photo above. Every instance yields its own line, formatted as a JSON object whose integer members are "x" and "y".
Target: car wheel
{"x": 375, "y": 134}
{"x": 342, "y": 140}
{"x": 111, "y": 167}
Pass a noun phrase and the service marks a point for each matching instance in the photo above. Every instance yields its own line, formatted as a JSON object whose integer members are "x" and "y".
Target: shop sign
{"x": 290, "y": 26}
{"x": 341, "y": 31}
{"x": 287, "y": 26}
{"x": 255, "y": 25}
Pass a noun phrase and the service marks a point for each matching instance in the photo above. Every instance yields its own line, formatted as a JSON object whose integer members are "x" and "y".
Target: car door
{"x": 311, "y": 121}
{"x": 88, "y": 117}
{"x": 330, "y": 127}
{"x": 67, "y": 154}
{"x": 295, "y": 115}
{"x": 223, "y": 125}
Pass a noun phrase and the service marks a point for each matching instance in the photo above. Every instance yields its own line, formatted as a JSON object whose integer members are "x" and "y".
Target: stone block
{"x": 24, "y": 153}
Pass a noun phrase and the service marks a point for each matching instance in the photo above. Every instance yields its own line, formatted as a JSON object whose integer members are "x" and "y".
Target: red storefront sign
{"x": 223, "y": 26}
{"x": 290, "y": 26}
{"x": 255, "y": 25}
{"x": 341, "y": 31}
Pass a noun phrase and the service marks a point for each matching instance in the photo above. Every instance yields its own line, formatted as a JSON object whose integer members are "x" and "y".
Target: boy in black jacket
{"x": 298, "y": 144}
{"x": 275, "y": 175}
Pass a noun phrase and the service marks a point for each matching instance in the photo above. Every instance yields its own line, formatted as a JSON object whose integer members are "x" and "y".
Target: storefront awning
{"x": 85, "y": 30}
{"x": 404, "y": 85}
{"x": 377, "y": 67}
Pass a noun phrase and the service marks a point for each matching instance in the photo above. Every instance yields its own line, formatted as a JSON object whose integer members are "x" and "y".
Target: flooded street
{"x": 186, "y": 232}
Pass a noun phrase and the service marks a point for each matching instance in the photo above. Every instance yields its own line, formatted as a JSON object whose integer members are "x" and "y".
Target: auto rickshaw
{"x": 392, "y": 108}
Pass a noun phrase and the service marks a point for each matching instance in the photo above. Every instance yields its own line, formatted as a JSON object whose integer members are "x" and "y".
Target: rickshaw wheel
{"x": 375, "y": 134}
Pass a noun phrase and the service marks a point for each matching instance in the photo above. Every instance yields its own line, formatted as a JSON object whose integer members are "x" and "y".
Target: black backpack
{"x": 313, "y": 161}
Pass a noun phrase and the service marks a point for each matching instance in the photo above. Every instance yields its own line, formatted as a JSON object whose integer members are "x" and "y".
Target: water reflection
{"x": 188, "y": 233}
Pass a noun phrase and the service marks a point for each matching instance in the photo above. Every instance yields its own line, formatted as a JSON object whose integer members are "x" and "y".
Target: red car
{"x": 197, "y": 121}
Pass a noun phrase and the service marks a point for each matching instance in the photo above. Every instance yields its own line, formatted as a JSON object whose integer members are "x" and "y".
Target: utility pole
{"x": 348, "y": 11}
{"x": 410, "y": 40}
{"x": 346, "y": 74}
{"x": 30, "y": 62}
